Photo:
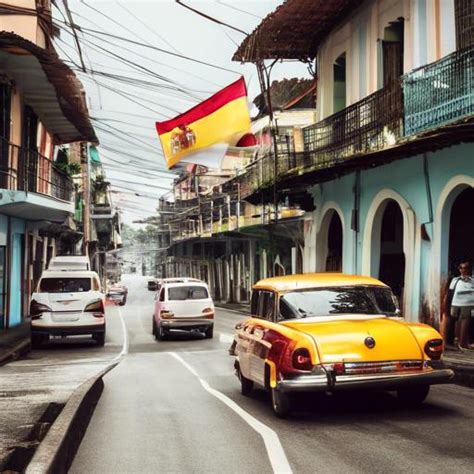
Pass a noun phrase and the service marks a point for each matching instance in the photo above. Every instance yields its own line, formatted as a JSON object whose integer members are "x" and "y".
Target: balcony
{"x": 32, "y": 186}
{"x": 369, "y": 125}
{"x": 32, "y": 172}
{"x": 439, "y": 93}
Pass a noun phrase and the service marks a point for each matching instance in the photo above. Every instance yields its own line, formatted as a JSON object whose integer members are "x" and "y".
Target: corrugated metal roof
{"x": 294, "y": 30}
{"x": 49, "y": 86}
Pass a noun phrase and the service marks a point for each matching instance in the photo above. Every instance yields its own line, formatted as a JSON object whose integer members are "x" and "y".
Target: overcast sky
{"x": 153, "y": 85}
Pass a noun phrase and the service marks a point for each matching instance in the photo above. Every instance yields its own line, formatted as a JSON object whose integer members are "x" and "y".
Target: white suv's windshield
{"x": 64, "y": 285}
{"x": 181, "y": 293}
{"x": 340, "y": 300}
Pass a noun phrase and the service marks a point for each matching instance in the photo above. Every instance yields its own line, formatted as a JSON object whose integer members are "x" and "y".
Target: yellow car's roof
{"x": 314, "y": 280}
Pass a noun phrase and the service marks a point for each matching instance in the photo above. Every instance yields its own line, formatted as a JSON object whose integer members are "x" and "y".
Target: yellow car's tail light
{"x": 339, "y": 368}
{"x": 302, "y": 359}
{"x": 434, "y": 349}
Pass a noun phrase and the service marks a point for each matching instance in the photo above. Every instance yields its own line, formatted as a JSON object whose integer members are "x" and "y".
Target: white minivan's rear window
{"x": 181, "y": 293}
{"x": 64, "y": 285}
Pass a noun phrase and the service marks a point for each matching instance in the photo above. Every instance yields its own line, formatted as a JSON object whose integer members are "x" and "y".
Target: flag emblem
{"x": 182, "y": 139}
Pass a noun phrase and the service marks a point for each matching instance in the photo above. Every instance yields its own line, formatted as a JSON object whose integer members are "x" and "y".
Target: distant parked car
{"x": 152, "y": 284}
{"x": 118, "y": 293}
{"x": 184, "y": 305}
{"x": 67, "y": 303}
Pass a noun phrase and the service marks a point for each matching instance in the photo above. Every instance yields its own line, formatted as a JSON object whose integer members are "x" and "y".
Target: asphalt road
{"x": 34, "y": 388}
{"x": 175, "y": 406}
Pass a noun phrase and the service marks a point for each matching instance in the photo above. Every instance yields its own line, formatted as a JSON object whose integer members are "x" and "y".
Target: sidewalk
{"x": 238, "y": 307}
{"x": 463, "y": 365}
{"x": 36, "y": 387}
{"x": 14, "y": 342}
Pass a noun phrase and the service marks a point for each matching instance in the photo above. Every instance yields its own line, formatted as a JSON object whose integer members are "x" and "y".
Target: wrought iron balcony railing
{"x": 371, "y": 124}
{"x": 439, "y": 93}
{"x": 27, "y": 170}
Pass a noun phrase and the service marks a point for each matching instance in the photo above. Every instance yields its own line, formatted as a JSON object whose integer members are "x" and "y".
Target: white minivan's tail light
{"x": 208, "y": 313}
{"x": 37, "y": 309}
{"x": 166, "y": 314}
{"x": 95, "y": 307}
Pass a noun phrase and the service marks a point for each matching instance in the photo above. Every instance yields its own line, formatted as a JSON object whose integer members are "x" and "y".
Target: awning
{"x": 35, "y": 206}
{"x": 294, "y": 30}
{"x": 94, "y": 155}
{"x": 48, "y": 86}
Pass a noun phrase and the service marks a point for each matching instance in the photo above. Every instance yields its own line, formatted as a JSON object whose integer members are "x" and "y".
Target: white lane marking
{"x": 275, "y": 450}
{"x": 227, "y": 338}
{"x": 125, "y": 337}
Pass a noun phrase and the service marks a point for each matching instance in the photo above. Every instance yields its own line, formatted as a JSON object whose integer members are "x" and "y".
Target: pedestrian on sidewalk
{"x": 462, "y": 305}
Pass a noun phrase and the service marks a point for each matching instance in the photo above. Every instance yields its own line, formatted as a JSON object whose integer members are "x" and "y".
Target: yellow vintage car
{"x": 331, "y": 331}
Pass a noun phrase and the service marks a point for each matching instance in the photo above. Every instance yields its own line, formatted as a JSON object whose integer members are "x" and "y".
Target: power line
{"x": 103, "y": 50}
{"x": 155, "y": 48}
{"x": 76, "y": 39}
{"x": 158, "y": 62}
{"x": 210, "y": 18}
{"x": 238, "y": 9}
{"x": 162, "y": 38}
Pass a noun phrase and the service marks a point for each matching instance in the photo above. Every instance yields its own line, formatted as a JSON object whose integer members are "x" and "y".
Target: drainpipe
{"x": 424, "y": 232}
{"x": 428, "y": 194}
{"x": 355, "y": 221}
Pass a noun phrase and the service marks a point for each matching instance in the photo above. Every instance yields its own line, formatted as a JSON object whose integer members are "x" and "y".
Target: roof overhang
{"x": 34, "y": 207}
{"x": 49, "y": 87}
{"x": 294, "y": 30}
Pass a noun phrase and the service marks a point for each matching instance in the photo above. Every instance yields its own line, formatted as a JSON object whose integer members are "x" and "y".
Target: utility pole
{"x": 265, "y": 85}
{"x": 86, "y": 196}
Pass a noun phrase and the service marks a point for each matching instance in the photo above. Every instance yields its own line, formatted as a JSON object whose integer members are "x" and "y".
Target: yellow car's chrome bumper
{"x": 392, "y": 381}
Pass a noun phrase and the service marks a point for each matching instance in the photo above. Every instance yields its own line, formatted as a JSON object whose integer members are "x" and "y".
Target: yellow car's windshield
{"x": 337, "y": 300}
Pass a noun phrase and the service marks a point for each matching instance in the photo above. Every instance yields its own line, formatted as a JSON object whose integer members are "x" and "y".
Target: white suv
{"x": 184, "y": 304}
{"x": 67, "y": 303}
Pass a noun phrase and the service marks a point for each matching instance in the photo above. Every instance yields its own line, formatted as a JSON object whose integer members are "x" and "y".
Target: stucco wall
{"x": 3, "y": 229}
{"x": 407, "y": 185}
{"x": 429, "y": 34}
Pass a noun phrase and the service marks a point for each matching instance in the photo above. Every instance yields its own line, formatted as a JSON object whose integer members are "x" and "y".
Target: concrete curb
{"x": 16, "y": 351}
{"x": 463, "y": 372}
{"x": 231, "y": 310}
{"x": 57, "y": 450}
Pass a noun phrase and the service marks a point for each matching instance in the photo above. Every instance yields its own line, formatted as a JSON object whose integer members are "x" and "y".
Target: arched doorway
{"x": 392, "y": 257}
{"x": 461, "y": 231}
{"x": 334, "y": 244}
{"x": 389, "y": 238}
{"x": 330, "y": 239}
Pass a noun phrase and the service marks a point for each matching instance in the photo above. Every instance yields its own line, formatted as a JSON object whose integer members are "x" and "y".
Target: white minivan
{"x": 67, "y": 303}
{"x": 185, "y": 304}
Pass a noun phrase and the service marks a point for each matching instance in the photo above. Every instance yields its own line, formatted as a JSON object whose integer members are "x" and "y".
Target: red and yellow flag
{"x": 222, "y": 119}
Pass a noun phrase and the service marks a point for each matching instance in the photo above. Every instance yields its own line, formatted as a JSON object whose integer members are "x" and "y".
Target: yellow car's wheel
{"x": 413, "y": 396}
{"x": 280, "y": 403}
{"x": 246, "y": 385}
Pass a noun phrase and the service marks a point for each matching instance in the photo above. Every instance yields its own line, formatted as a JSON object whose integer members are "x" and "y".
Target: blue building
{"x": 389, "y": 163}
